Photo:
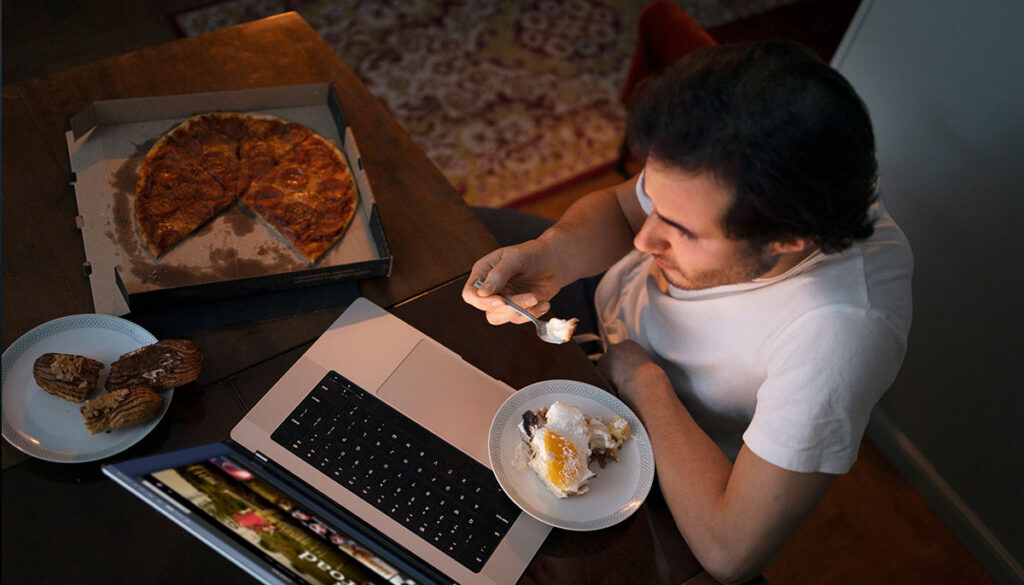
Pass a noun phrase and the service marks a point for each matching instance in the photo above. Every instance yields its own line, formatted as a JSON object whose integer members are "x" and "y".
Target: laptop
{"x": 367, "y": 462}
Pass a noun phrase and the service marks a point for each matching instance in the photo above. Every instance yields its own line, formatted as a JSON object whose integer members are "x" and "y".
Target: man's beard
{"x": 754, "y": 264}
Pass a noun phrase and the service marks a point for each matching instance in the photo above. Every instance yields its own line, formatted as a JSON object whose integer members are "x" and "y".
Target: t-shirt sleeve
{"x": 641, "y": 195}
{"x": 826, "y": 371}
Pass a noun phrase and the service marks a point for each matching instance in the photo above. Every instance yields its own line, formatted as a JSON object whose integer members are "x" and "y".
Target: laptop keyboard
{"x": 442, "y": 494}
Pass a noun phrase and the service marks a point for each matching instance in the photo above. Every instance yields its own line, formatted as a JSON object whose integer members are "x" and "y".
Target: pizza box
{"x": 234, "y": 254}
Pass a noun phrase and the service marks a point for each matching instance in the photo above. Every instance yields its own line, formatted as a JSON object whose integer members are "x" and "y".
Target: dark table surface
{"x": 68, "y": 522}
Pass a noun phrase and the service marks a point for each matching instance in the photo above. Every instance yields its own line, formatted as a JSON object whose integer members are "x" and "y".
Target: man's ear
{"x": 789, "y": 246}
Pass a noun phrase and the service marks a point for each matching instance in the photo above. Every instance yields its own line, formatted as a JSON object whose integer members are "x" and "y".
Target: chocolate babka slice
{"x": 69, "y": 376}
{"x": 124, "y": 407}
{"x": 163, "y": 365}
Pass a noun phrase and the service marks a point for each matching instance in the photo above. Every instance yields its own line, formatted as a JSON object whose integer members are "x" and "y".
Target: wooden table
{"x": 67, "y": 522}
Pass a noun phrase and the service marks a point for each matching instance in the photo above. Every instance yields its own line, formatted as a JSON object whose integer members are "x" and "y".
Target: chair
{"x": 666, "y": 33}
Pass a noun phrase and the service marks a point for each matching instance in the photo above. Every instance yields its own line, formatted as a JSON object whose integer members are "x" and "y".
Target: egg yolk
{"x": 564, "y": 468}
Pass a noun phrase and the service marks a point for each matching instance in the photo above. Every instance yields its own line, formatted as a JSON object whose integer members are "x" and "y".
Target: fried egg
{"x": 559, "y": 443}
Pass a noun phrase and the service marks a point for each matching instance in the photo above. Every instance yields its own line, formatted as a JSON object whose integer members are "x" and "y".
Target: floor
{"x": 871, "y": 528}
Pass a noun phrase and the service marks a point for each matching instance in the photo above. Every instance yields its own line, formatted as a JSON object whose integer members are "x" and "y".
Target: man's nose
{"x": 647, "y": 239}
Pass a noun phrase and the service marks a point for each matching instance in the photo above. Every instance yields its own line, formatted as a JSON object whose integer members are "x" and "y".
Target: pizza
{"x": 293, "y": 179}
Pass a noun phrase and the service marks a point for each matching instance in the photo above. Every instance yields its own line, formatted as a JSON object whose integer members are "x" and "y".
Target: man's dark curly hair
{"x": 776, "y": 125}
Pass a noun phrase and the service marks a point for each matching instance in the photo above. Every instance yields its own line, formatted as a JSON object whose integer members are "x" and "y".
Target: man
{"x": 755, "y": 302}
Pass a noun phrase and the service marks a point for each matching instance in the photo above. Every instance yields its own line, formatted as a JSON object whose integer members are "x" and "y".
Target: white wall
{"x": 944, "y": 81}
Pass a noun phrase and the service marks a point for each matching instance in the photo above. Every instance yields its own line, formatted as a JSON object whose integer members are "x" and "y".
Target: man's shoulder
{"x": 873, "y": 275}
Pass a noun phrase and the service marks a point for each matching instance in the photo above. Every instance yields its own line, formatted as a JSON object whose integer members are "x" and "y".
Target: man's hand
{"x": 591, "y": 235}
{"x": 526, "y": 273}
{"x": 630, "y": 369}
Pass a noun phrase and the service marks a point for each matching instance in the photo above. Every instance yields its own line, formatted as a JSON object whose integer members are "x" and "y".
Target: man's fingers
{"x": 491, "y": 273}
{"x": 504, "y": 314}
{"x": 526, "y": 300}
{"x": 489, "y": 279}
{"x": 498, "y": 268}
{"x": 472, "y": 296}
{"x": 494, "y": 281}
{"x": 482, "y": 270}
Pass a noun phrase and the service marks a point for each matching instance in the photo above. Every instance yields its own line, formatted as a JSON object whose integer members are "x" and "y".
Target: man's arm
{"x": 594, "y": 233}
{"x": 735, "y": 517}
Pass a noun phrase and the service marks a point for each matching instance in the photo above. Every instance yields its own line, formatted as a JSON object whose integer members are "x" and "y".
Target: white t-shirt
{"x": 791, "y": 365}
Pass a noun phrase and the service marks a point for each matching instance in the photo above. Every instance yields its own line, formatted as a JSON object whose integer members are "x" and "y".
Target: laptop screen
{"x": 246, "y": 516}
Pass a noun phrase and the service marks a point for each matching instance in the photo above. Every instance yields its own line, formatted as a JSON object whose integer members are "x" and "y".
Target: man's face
{"x": 684, "y": 232}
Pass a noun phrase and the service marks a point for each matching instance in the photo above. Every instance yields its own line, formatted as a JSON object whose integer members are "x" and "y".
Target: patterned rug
{"x": 510, "y": 99}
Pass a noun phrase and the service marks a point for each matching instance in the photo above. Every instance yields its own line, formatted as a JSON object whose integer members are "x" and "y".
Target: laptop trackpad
{"x": 446, "y": 395}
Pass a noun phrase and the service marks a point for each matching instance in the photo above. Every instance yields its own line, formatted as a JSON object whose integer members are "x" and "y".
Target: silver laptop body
{"x": 423, "y": 380}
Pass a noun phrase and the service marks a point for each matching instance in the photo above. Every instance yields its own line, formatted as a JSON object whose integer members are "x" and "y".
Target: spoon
{"x": 542, "y": 327}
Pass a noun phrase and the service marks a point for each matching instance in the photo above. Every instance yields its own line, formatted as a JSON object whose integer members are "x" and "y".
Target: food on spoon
{"x": 72, "y": 377}
{"x": 562, "y": 329}
{"x": 163, "y": 365}
{"x": 560, "y": 442}
{"x": 123, "y": 407}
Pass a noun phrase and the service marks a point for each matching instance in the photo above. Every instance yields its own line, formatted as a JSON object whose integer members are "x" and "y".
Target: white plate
{"x": 51, "y": 428}
{"x": 616, "y": 492}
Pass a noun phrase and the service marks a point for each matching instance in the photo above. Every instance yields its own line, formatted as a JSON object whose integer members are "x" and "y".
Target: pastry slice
{"x": 124, "y": 407}
{"x": 72, "y": 377}
{"x": 163, "y": 365}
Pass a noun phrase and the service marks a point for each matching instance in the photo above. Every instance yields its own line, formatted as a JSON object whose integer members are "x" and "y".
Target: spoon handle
{"x": 513, "y": 305}
{"x": 521, "y": 310}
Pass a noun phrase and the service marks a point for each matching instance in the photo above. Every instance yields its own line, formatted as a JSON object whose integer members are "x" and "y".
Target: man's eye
{"x": 686, "y": 233}
{"x": 680, "y": 229}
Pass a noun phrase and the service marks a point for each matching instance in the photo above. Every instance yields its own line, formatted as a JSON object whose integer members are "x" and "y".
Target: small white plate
{"x": 51, "y": 428}
{"x": 616, "y": 492}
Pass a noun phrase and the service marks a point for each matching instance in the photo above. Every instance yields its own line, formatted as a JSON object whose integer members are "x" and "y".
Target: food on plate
{"x": 123, "y": 407}
{"x": 72, "y": 377}
{"x": 606, "y": 439}
{"x": 296, "y": 181}
{"x": 163, "y": 365}
{"x": 562, "y": 329}
{"x": 560, "y": 442}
